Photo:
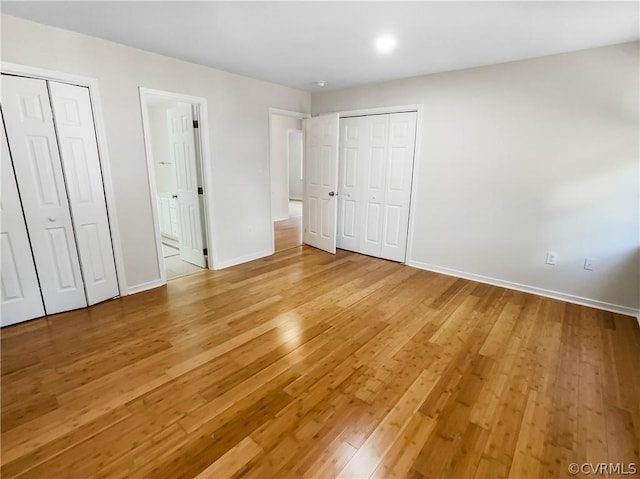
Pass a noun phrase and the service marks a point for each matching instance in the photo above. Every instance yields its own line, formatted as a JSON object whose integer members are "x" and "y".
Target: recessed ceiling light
{"x": 385, "y": 43}
{"x": 319, "y": 83}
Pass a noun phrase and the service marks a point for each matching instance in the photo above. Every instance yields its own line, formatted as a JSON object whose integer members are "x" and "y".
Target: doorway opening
{"x": 173, "y": 142}
{"x": 287, "y": 166}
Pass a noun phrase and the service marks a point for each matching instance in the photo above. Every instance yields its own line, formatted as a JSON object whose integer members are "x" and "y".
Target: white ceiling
{"x": 297, "y": 43}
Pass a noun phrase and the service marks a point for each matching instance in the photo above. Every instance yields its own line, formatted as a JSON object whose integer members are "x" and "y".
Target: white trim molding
{"x": 243, "y": 259}
{"x": 381, "y": 110}
{"x": 103, "y": 153}
{"x": 139, "y": 288}
{"x": 569, "y": 298}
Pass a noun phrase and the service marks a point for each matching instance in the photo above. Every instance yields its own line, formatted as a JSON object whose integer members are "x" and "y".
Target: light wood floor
{"x": 306, "y": 364}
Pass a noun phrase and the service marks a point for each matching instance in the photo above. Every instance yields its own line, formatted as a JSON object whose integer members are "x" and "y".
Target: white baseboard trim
{"x": 144, "y": 286}
{"x": 569, "y": 298}
{"x": 243, "y": 259}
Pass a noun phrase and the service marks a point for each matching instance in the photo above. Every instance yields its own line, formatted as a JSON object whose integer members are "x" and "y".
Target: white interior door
{"x": 21, "y": 299}
{"x": 34, "y": 150}
{"x": 182, "y": 139}
{"x": 397, "y": 185}
{"x": 79, "y": 154}
{"x": 321, "y": 182}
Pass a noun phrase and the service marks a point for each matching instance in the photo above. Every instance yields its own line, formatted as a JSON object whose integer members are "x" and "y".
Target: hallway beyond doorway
{"x": 288, "y": 233}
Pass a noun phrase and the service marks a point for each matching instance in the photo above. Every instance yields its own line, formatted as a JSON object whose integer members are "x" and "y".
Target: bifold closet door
{"x": 34, "y": 151}
{"x": 362, "y": 172}
{"x": 79, "y": 153}
{"x": 376, "y": 167}
{"x": 21, "y": 299}
{"x": 397, "y": 185}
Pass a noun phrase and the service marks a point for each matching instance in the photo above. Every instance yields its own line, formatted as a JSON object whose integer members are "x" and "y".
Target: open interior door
{"x": 321, "y": 182}
{"x": 183, "y": 152}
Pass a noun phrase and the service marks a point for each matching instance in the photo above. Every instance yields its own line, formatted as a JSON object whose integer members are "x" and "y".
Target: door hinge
{"x": 200, "y": 190}
{"x": 205, "y": 251}
{"x": 195, "y": 123}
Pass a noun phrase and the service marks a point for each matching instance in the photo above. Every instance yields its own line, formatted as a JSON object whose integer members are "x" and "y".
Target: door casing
{"x": 202, "y": 146}
{"x": 292, "y": 114}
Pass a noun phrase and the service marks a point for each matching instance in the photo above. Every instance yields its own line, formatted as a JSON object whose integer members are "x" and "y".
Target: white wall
{"x": 525, "y": 157}
{"x": 239, "y": 135}
{"x": 165, "y": 168}
{"x": 280, "y": 125}
{"x": 296, "y": 183}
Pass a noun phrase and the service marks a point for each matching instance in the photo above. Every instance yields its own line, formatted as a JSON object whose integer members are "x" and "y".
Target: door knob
{"x": 174, "y": 196}
{"x": 333, "y": 193}
{"x": 52, "y": 218}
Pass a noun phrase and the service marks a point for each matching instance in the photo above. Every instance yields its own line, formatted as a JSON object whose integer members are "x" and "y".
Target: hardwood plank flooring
{"x": 310, "y": 365}
{"x": 288, "y": 233}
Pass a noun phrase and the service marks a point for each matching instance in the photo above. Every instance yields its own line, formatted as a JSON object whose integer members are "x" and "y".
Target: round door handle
{"x": 52, "y": 218}
{"x": 333, "y": 193}
{"x": 174, "y": 196}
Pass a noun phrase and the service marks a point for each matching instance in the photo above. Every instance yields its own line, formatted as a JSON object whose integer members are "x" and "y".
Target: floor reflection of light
{"x": 290, "y": 328}
{"x": 362, "y": 465}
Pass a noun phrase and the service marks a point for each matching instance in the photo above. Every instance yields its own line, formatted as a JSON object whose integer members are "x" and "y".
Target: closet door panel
{"x": 21, "y": 299}
{"x": 398, "y": 174}
{"x": 375, "y": 150}
{"x": 31, "y": 135}
{"x": 79, "y": 154}
{"x": 349, "y": 184}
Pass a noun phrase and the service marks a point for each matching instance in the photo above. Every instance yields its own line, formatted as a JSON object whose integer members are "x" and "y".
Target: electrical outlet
{"x": 589, "y": 263}
{"x": 551, "y": 258}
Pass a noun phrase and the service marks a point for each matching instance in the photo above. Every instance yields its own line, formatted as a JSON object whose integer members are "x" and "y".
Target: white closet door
{"x": 362, "y": 162}
{"x": 353, "y": 139}
{"x": 31, "y": 135}
{"x": 397, "y": 185}
{"x": 321, "y": 182}
{"x": 21, "y": 299}
{"x": 79, "y": 154}
{"x": 373, "y": 183}
{"x": 181, "y": 137}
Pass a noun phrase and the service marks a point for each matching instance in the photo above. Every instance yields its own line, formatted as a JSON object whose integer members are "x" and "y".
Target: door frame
{"x": 419, "y": 109}
{"x": 293, "y": 114}
{"x": 103, "y": 153}
{"x": 202, "y": 147}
